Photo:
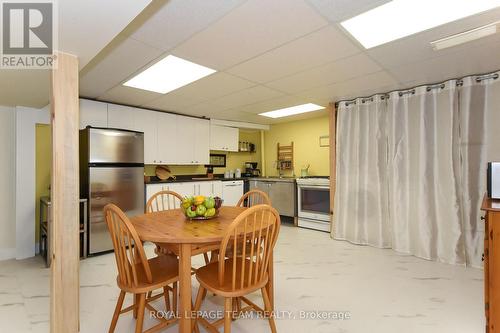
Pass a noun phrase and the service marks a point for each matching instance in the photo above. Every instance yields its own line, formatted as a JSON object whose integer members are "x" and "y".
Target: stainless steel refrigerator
{"x": 111, "y": 171}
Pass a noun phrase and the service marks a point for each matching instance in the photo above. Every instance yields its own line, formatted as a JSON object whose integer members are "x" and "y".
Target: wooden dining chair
{"x": 239, "y": 276}
{"x": 137, "y": 274}
{"x": 254, "y": 197}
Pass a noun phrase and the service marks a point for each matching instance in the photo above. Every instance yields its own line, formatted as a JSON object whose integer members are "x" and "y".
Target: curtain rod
{"x": 440, "y": 85}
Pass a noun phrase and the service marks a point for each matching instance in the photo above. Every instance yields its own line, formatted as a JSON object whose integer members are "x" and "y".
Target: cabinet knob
{"x": 483, "y": 218}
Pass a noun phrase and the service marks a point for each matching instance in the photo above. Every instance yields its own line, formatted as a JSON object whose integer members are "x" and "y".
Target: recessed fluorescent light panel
{"x": 400, "y": 18}
{"x": 292, "y": 110}
{"x": 466, "y": 36}
{"x": 168, "y": 74}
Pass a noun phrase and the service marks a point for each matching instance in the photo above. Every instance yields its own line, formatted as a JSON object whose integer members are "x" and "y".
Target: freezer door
{"x": 123, "y": 187}
{"x": 115, "y": 146}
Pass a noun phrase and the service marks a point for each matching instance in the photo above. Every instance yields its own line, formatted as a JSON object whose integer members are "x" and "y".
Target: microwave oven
{"x": 494, "y": 180}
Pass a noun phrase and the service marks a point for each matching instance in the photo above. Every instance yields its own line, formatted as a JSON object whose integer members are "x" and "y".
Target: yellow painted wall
{"x": 233, "y": 160}
{"x": 43, "y": 165}
{"x": 305, "y": 136}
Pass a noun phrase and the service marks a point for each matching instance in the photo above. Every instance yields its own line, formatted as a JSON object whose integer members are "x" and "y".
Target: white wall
{"x": 7, "y": 183}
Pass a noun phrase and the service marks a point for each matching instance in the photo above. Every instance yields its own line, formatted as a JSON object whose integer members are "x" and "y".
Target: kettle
{"x": 305, "y": 171}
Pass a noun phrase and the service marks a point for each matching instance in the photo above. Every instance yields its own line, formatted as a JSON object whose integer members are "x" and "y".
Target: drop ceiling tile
{"x": 86, "y": 27}
{"x": 361, "y": 86}
{"x": 127, "y": 95}
{"x": 476, "y": 60}
{"x": 417, "y": 47}
{"x": 178, "y": 20}
{"x": 245, "y": 97}
{"x": 338, "y": 10}
{"x": 249, "y": 30}
{"x": 333, "y": 72}
{"x": 204, "y": 109}
{"x": 210, "y": 87}
{"x": 317, "y": 48}
{"x": 123, "y": 60}
{"x": 236, "y": 115}
{"x": 273, "y": 104}
{"x": 173, "y": 101}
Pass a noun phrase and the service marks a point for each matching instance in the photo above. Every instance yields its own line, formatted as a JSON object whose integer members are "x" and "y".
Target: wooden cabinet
{"x": 93, "y": 113}
{"x": 492, "y": 263}
{"x": 224, "y": 138}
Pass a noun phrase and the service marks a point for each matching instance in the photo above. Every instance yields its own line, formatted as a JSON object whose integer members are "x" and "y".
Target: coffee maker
{"x": 251, "y": 170}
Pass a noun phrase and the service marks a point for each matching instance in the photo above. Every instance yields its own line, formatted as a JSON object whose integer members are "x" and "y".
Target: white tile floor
{"x": 382, "y": 290}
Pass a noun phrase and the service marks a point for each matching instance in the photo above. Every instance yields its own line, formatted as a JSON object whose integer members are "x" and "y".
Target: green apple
{"x": 190, "y": 213}
{"x": 200, "y": 210}
{"x": 209, "y": 202}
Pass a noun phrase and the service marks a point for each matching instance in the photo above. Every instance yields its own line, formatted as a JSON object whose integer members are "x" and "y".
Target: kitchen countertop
{"x": 191, "y": 178}
{"x": 275, "y": 179}
{"x": 201, "y": 178}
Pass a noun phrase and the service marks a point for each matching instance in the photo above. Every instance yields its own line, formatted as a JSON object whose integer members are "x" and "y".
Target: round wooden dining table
{"x": 172, "y": 227}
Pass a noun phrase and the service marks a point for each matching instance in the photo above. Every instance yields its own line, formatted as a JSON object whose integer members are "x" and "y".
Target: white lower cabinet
{"x": 186, "y": 189}
{"x": 232, "y": 191}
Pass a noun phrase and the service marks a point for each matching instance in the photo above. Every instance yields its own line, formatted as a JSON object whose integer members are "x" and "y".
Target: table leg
{"x": 270, "y": 283}
{"x": 185, "y": 288}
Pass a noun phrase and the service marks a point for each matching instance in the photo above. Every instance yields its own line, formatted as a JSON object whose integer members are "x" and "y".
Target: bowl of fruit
{"x": 201, "y": 207}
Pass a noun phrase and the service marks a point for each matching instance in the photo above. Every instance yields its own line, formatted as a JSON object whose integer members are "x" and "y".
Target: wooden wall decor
{"x": 65, "y": 281}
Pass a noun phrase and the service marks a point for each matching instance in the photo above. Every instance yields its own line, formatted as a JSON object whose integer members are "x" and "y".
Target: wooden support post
{"x": 65, "y": 192}
{"x": 333, "y": 134}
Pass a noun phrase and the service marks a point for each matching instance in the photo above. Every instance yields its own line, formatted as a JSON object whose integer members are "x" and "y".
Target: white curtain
{"x": 423, "y": 164}
{"x": 411, "y": 169}
{"x": 361, "y": 197}
{"x": 480, "y": 143}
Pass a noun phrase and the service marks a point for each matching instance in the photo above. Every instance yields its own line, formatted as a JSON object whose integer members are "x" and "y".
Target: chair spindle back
{"x": 255, "y": 231}
{"x": 129, "y": 251}
{"x": 163, "y": 200}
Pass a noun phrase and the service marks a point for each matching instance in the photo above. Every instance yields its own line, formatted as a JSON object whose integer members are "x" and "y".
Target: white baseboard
{"x": 6, "y": 254}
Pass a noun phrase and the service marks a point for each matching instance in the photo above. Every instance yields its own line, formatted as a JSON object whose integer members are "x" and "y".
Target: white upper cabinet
{"x": 93, "y": 113}
{"x": 146, "y": 121}
{"x": 193, "y": 135}
{"x": 185, "y": 140}
{"x": 201, "y": 141}
{"x": 121, "y": 117}
{"x": 167, "y": 142}
{"x": 224, "y": 138}
{"x": 168, "y": 138}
